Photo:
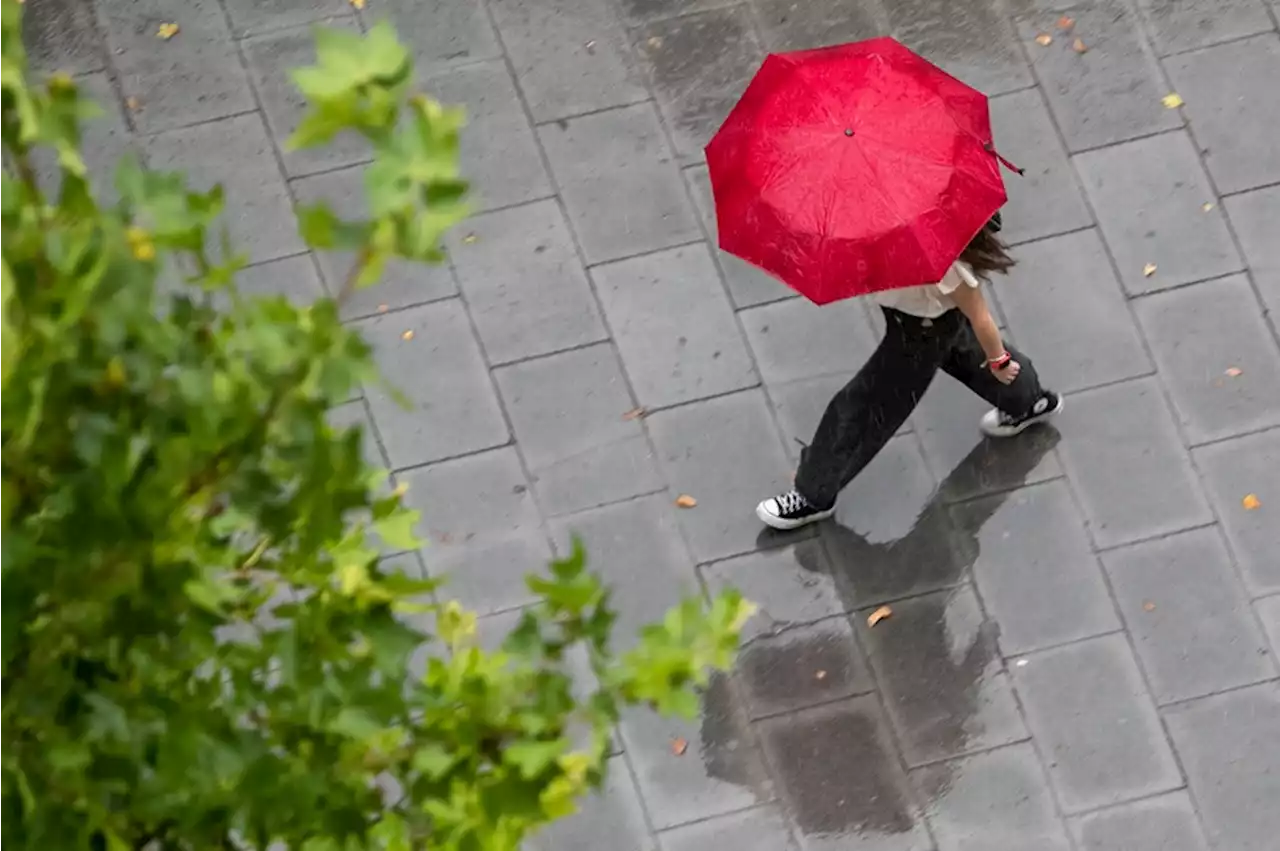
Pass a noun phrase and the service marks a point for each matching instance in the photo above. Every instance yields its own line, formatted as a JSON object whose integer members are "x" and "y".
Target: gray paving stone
{"x": 996, "y": 801}
{"x": 719, "y": 772}
{"x": 568, "y": 414}
{"x": 499, "y": 155}
{"x": 787, "y": 25}
{"x": 104, "y": 140}
{"x": 251, "y": 16}
{"x": 569, "y": 56}
{"x": 601, "y": 159}
{"x": 700, "y": 449}
{"x": 1166, "y": 823}
{"x": 1108, "y": 94}
{"x": 970, "y": 39}
{"x": 941, "y": 677}
{"x": 613, "y": 818}
{"x": 1268, "y": 609}
{"x": 194, "y": 76}
{"x": 453, "y": 408}
{"x": 1178, "y": 26}
{"x": 294, "y": 278}
{"x": 700, "y": 64}
{"x": 1059, "y": 286}
{"x": 1199, "y": 635}
{"x": 237, "y": 153}
{"x": 1089, "y": 710}
{"x": 968, "y": 463}
{"x": 1253, "y": 216}
{"x": 637, "y": 549}
{"x": 270, "y": 58}
{"x": 1150, "y": 197}
{"x": 757, "y": 829}
{"x": 1046, "y": 200}
{"x": 1232, "y": 470}
{"x": 748, "y": 285}
{"x": 1232, "y": 107}
{"x": 802, "y": 667}
{"x": 797, "y": 339}
{"x": 441, "y": 32}
{"x": 674, "y": 327}
{"x": 789, "y": 584}
{"x": 836, "y": 767}
{"x": 893, "y": 535}
{"x": 403, "y": 284}
{"x": 1196, "y": 335}
{"x": 1121, "y": 450}
{"x": 62, "y": 35}
{"x": 1230, "y": 747}
{"x": 1036, "y": 571}
{"x": 524, "y": 285}
{"x": 482, "y": 529}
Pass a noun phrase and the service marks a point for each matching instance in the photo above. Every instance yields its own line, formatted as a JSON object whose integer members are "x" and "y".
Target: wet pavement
{"x": 1082, "y": 651}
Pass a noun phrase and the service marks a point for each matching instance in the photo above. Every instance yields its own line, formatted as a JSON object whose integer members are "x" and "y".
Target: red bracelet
{"x": 1000, "y": 362}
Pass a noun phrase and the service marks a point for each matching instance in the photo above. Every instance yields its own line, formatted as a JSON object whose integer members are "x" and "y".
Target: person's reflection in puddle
{"x": 936, "y": 658}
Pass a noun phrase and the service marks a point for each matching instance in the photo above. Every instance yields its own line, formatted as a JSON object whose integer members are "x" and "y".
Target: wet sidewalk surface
{"x": 1082, "y": 650}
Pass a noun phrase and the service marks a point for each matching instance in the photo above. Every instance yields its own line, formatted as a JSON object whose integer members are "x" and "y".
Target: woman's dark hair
{"x": 986, "y": 253}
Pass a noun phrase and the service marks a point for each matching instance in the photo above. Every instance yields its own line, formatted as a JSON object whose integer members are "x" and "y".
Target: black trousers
{"x": 867, "y": 411}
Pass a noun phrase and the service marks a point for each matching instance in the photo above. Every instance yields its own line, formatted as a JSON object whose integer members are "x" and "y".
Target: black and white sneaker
{"x": 790, "y": 511}
{"x": 997, "y": 423}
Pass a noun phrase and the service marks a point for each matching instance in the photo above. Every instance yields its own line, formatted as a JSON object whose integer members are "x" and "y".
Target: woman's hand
{"x": 1005, "y": 372}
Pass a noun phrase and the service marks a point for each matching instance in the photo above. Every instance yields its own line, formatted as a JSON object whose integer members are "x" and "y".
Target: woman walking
{"x": 945, "y": 326}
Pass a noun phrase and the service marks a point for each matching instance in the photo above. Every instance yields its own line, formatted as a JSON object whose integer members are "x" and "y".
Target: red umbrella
{"x": 852, "y": 169}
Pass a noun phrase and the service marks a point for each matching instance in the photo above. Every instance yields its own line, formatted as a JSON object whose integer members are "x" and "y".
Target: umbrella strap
{"x": 991, "y": 149}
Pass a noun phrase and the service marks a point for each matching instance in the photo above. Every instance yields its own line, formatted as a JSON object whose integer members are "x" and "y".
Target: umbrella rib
{"x": 910, "y": 154}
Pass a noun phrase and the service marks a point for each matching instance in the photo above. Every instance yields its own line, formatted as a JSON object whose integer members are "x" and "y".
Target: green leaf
{"x": 532, "y": 758}
{"x": 433, "y": 761}
{"x": 397, "y": 529}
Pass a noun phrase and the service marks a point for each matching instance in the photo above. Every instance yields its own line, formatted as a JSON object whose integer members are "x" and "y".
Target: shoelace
{"x": 791, "y": 502}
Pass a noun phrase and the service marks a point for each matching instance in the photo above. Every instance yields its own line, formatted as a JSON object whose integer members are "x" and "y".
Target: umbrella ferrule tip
{"x": 848, "y": 131}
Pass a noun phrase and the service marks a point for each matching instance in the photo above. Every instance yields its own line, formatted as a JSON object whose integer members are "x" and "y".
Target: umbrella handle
{"x": 991, "y": 149}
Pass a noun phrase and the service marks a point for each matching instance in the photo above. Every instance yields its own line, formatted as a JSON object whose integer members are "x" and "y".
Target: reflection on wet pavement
{"x": 942, "y": 689}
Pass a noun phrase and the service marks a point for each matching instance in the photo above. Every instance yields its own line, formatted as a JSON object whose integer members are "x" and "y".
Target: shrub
{"x": 199, "y": 649}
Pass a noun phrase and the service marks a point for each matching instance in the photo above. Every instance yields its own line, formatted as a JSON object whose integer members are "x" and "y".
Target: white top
{"x": 930, "y": 300}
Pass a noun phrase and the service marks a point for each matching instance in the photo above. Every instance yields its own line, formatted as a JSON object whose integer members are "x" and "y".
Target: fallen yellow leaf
{"x": 359, "y": 4}
{"x": 1148, "y": 606}
{"x": 679, "y": 746}
{"x": 654, "y": 43}
{"x": 1234, "y": 371}
{"x": 167, "y": 31}
{"x": 407, "y": 335}
{"x": 1172, "y": 100}
{"x": 1079, "y": 46}
{"x": 634, "y": 414}
{"x": 1044, "y": 39}
{"x": 469, "y": 239}
{"x": 133, "y": 103}
{"x": 1207, "y": 206}
{"x": 879, "y": 615}
{"x": 1251, "y": 502}
{"x": 1066, "y": 22}
{"x": 1148, "y": 270}
{"x": 686, "y": 501}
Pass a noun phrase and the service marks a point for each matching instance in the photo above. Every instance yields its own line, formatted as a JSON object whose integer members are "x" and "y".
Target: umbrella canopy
{"x": 852, "y": 169}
